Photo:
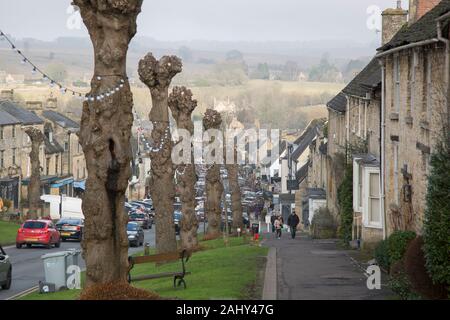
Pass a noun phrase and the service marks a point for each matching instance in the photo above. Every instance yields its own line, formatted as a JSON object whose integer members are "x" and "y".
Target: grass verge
{"x": 8, "y": 232}
{"x": 217, "y": 272}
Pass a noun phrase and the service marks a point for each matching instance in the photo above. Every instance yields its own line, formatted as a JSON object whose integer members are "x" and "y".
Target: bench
{"x": 161, "y": 258}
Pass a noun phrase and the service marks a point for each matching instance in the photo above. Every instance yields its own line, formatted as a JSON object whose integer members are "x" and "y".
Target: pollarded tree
{"x": 182, "y": 105}
{"x": 236, "y": 202}
{"x": 214, "y": 187}
{"x": 157, "y": 75}
{"x": 34, "y": 188}
{"x": 105, "y": 137}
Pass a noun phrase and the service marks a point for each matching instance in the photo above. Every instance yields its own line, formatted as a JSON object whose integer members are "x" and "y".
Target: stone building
{"x": 16, "y": 146}
{"x": 336, "y": 141}
{"x": 68, "y": 162}
{"x": 363, "y": 150}
{"x": 415, "y": 80}
{"x": 9, "y": 160}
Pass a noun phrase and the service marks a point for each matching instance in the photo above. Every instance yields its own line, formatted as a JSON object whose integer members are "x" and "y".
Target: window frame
{"x": 366, "y": 212}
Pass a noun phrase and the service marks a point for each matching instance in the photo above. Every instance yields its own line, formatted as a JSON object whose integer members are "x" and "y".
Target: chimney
{"x": 392, "y": 21}
{"x": 34, "y": 106}
{"x": 418, "y": 8}
{"x": 7, "y": 95}
{"x": 52, "y": 103}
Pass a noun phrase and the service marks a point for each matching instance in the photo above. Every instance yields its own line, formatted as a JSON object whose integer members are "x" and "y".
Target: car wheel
{"x": 18, "y": 245}
{"x": 63, "y": 239}
{"x": 7, "y": 285}
{"x": 48, "y": 246}
{"x": 58, "y": 244}
{"x": 28, "y": 245}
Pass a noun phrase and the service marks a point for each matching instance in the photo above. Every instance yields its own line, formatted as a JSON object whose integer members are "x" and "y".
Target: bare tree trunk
{"x": 214, "y": 187}
{"x": 157, "y": 75}
{"x": 182, "y": 105}
{"x": 105, "y": 137}
{"x": 34, "y": 188}
{"x": 236, "y": 204}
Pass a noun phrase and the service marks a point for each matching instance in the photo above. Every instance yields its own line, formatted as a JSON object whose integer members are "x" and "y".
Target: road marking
{"x": 23, "y": 293}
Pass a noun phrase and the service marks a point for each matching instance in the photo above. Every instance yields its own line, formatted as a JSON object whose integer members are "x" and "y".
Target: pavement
{"x": 307, "y": 269}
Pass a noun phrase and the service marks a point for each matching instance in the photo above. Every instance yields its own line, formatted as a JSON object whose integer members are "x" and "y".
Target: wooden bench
{"x": 161, "y": 258}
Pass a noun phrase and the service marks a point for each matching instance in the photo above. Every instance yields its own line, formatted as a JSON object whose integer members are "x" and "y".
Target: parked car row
{"x": 46, "y": 233}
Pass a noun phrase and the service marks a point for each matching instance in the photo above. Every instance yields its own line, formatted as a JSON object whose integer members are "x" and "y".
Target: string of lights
{"x": 52, "y": 82}
{"x": 158, "y": 146}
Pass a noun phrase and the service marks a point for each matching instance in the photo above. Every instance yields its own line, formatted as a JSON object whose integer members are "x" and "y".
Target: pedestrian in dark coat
{"x": 272, "y": 221}
{"x": 293, "y": 222}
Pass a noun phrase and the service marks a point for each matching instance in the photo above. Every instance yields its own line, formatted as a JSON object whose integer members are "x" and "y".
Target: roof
{"x": 52, "y": 147}
{"x": 60, "y": 119}
{"x": 338, "y": 103}
{"x": 423, "y": 29}
{"x": 23, "y": 115}
{"x": 7, "y": 119}
{"x": 367, "y": 160}
{"x": 306, "y": 138}
{"x": 316, "y": 193}
{"x": 301, "y": 173}
{"x": 365, "y": 81}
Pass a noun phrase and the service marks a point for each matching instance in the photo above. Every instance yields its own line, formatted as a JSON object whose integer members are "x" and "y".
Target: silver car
{"x": 5, "y": 270}
{"x": 135, "y": 234}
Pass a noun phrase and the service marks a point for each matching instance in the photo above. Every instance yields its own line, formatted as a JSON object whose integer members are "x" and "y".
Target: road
{"x": 28, "y": 268}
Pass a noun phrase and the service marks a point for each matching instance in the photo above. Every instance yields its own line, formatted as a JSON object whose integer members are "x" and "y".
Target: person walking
{"x": 278, "y": 227}
{"x": 293, "y": 222}
{"x": 272, "y": 221}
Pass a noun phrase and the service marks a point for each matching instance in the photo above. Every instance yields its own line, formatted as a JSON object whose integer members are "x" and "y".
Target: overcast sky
{"x": 227, "y": 20}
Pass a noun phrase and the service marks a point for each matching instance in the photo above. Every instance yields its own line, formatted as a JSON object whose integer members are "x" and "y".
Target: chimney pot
{"x": 7, "y": 94}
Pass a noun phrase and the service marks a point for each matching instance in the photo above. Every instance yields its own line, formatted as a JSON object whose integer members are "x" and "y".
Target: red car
{"x": 42, "y": 232}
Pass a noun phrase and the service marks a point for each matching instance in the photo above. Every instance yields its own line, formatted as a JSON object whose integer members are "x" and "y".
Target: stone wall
{"x": 411, "y": 132}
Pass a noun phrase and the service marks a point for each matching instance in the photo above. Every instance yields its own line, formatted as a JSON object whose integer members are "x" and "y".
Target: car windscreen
{"x": 137, "y": 216}
{"x": 34, "y": 225}
{"x": 132, "y": 227}
{"x": 72, "y": 222}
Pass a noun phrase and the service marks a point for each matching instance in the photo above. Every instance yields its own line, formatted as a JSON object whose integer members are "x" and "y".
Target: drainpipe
{"x": 447, "y": 62}
{"x": 382, "y": 147}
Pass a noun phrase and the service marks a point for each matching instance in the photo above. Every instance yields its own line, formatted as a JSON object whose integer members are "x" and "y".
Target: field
{"x": 276, "y": 104}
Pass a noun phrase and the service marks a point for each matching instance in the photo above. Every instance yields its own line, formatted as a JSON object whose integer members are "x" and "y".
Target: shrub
{"x": 382, "y": 254}
{"x": 398, "y": 243}
{"x": 345, "y": 198}
{"x": 437, "y": 216}
{"x": 400, "y": 284}
{"x": 419, "y": 279}
{"x": 323, "y": 225}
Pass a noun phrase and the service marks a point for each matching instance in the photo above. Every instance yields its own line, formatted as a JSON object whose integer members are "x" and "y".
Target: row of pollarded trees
{"x": 105, "y": 135}
{"x": 157, "y": 75}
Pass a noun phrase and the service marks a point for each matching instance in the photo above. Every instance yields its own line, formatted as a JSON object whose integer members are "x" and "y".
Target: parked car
{"x": 5, "y": 270}
{"x": 135, "y": 234}
{"x": 142, "y": 219}
{"x": 70, "y": 228}
{"x": 41, "y": 232}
